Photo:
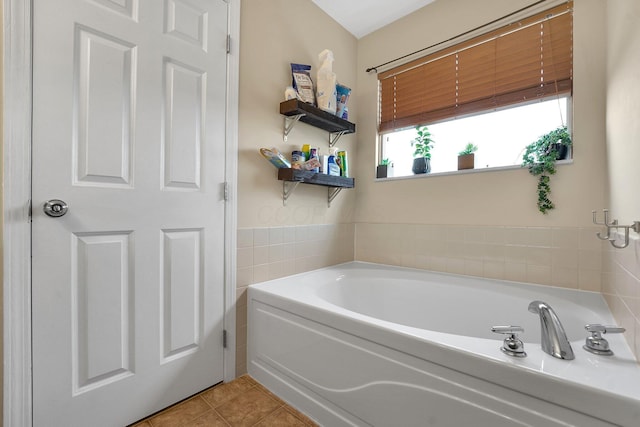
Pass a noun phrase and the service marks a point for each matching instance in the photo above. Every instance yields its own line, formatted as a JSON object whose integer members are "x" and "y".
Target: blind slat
{"x": 523, "y": 61}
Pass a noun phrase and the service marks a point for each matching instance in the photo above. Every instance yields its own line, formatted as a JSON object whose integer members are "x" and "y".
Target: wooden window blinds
{"x": 526, "y": 60}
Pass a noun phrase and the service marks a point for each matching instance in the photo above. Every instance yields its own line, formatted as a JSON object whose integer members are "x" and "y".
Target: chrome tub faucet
{"x": 554, "y": 340}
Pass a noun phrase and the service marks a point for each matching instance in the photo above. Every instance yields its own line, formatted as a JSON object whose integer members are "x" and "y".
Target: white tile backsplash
{"x": 272, "y": 252}
{"x": 276, "y": 236}
{"x": 568, "y": 238}
{"x": 260, "y": 255}
{"x": 569, "y": 257}
{"x": 260, "y": 236}
{"x": 564, "y": 276}
{"x": 518, "y": 236}
{"x": 245, "y": 257}
{"x": 539, "y": 237}
{"x": 538, "y": 256}
{"x": 540, "y": 274}
{"x": 515, "y": 272}
{"x": 245, "y": 238}
{"x": 558, "y": 256}
{"x": 621, "y": 287}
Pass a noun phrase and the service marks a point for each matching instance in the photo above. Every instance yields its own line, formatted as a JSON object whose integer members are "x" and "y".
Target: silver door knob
{"x": 55, "y": 207}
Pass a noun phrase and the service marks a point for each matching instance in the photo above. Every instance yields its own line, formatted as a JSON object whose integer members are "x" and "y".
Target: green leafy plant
{"x": 385, "y": 162}
{"x": 423, "y": 143}
{"x": 540, "y": 158}
{"x": 468, "y": 149}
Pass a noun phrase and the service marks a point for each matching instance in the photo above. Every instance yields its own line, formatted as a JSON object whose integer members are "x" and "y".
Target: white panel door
{"x": 128, "y": 130}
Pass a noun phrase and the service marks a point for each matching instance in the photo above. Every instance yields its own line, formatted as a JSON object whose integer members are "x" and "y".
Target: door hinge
{"x": 226, "y": 191}
{"x": 228, "y": 43}
{"x": 224, "y": 338}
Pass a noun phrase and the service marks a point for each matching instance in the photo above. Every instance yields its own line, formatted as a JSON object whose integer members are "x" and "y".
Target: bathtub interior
{"x": 467, "y": 307}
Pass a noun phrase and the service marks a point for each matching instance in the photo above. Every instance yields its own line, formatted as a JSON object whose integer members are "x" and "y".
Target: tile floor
{"x": 241, "y": 402}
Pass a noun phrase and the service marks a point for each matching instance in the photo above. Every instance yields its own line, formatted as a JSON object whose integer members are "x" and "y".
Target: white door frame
{"x": 16, "y": 227}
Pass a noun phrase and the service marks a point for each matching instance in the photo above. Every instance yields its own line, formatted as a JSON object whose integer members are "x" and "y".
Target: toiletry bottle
{"x": 313, "y": 154}
{"x": 332, "y": 165}
{"x": 324, "y": 163}
{"x": 326, "y": 83}
{"x": 297, "y": 159}
{"x": 306, "y": 151}
{"x": 343, "y": 163}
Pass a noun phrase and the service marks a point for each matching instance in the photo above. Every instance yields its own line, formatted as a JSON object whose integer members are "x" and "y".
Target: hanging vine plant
{"x": 540, "y": 158}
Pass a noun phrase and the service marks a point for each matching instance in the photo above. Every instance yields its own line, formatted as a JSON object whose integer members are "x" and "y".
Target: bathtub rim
{"x": 595, "y": 402}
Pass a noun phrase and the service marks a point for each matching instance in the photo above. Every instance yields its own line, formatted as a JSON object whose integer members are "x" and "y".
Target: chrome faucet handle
{"x": 595, "y": 343}
{"x": 596, "y": 327}
{"x": 512, "y": 345}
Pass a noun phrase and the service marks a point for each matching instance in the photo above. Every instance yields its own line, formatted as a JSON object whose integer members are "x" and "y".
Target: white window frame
{"x": 569, "y": 160}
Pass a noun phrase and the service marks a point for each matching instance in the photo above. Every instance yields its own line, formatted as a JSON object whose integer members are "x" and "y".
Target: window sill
{"x": 463, "y": 172}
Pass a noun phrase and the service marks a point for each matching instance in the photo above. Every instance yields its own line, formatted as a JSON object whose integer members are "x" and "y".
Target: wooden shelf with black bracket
{"x": 295, "y": 110}
{"x": 292, "y": 177}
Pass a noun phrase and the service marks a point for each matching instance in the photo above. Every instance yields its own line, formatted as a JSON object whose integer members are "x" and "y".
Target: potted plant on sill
{"x": 422, "y": 154}
{"x": 466, "y": 158}
{"x": 540, "y": 158}
{"x": 384, "y": 169}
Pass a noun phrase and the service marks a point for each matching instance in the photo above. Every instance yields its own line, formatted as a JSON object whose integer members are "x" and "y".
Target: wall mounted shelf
{"x": 292, "y": 177}
{"x": 295, "y": 110}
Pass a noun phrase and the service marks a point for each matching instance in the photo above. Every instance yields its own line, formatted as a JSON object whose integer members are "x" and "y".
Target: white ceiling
{"x": 361, "y": 17}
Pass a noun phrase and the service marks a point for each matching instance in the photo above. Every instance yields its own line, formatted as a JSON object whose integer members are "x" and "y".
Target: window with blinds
{"x": 519, "y": 63}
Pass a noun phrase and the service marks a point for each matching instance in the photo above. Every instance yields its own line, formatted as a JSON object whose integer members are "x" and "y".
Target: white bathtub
{"x": 365, "y": 344}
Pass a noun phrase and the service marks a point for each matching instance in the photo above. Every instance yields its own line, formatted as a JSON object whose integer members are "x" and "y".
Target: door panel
{"x": 183, "y": 117}
{"x": 188, "y": 22}
{"x": 105, "y": 102}
{"x": 128, "y": 129}
{"x": 102, "y": 327}
{"x": 182, "y": 292}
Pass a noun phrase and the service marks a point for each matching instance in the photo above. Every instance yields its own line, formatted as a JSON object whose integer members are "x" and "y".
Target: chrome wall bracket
{"x": 335, "y": 136}
{"x": 610, "y": 225}
{"x": 332, "y": 192}
{"x": 289, "y": 123}
{"x": 287, "y": 189}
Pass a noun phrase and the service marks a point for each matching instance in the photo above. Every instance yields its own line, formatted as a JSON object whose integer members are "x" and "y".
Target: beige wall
{"x": 1, "y": 201}
{"x": 505, "y": 198}
{"x": 623, "y": 108}
{"x": 276, "y": 240}
{"x": 275, "y": 33}
{"x": 487, "y": 223}
{"x": 621, "y": 281}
